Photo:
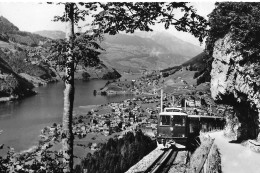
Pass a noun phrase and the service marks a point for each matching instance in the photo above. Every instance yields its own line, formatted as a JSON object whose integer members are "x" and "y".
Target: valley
{"x": 94, "y": 99}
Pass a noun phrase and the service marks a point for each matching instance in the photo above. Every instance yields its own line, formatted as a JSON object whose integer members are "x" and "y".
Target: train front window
{"x": 165, "y": 120}
{"x": 173, "y": 110}
{"x": 178, "y": 121}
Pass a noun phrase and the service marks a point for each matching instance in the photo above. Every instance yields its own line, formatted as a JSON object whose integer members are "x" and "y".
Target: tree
{"x": 67, "y": 135}
{"x": 241, "y": 21}
{"x": 110, "y": 18}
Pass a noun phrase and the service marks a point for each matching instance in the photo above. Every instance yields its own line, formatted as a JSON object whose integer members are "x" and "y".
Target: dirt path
{"x": 236, "y": 158}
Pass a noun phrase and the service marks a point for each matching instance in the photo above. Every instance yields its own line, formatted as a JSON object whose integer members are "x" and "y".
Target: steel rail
{"x": 164, "y": 159}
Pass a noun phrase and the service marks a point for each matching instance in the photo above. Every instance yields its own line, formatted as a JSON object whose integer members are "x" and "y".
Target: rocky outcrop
{"x": 236, "y": 82}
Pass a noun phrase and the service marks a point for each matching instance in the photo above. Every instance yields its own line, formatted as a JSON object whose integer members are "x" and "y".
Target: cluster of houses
{"x": 193, "y": 102}
{"x": 130, "y": 115}
{"x": 147, "y": 83}
{"x": 124, "y": 116}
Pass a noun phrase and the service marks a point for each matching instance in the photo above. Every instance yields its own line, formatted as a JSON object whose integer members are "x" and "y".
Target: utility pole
{"x": 185, "y": 104}
{"x": 161, "y": 100}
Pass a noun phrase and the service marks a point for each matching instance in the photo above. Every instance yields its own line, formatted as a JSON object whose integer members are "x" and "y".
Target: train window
{"x": 173, "y": 110}
{"x": 178, "y": 121}
{"x": 165, "y": 120}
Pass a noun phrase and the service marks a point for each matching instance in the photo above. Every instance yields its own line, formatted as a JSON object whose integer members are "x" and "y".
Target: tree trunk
{"x": 67, "y": 135}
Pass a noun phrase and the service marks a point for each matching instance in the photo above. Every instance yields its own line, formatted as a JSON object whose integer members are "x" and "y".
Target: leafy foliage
{"x": 26, "y": 38}
{"x": 46, "y": 162}
{"x": 241, "y": 20}
{"x": 113, "y": 17}
{"x": 118, "y": 155}
{"x": 129, "y": 16}
{"x": 85, "y": 50}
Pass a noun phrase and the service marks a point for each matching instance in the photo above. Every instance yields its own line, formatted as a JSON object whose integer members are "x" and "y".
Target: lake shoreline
{"x": 22, "y": 119}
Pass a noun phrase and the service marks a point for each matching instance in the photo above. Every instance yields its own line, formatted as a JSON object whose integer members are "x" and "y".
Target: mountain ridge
{"x": 25, "y": 53}
{"x": 53, "y": 34}
{"x": 132, "y": 52}
{"x": 164, "y": 38}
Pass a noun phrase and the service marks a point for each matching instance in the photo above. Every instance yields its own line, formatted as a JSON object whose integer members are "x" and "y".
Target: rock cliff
{"x": 237, "y": 83}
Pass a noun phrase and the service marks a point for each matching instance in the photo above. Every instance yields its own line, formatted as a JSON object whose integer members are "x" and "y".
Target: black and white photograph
{"x": 129, "y": 86}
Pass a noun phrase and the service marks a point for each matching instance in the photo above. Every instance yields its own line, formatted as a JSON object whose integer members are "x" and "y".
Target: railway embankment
{"x": 146, "y": 162}
{"x": 205, "y": 157}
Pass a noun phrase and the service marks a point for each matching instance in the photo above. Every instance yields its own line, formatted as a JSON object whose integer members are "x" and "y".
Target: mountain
{"x": 11, "y": 83}
{"x": 200, "y": 65}
{"x": 21, "y": 61}
{"x": 26, "y": 52}
{"x": 153, "y": 51}
{"x": 5, "y": 25}
{"x": 142, "y": 50}
{"x": 198, "y": 62}
{"x": 101, "y": 71}
{"x": 52, "y": 34}
{"x": 172, "y": 43}
{"x": 9, "y": 32}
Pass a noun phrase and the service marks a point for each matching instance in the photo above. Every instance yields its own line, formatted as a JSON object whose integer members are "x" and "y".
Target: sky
{"x": 33, "y": 16}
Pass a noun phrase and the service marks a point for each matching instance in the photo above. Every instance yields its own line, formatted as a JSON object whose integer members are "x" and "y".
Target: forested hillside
{"x": 11, "y": 83}
{"x": 22, "y": 56}
{"x": 118, "y": 154}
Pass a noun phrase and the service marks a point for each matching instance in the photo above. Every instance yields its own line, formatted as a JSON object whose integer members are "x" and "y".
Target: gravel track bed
{"x": 179, "y": 164}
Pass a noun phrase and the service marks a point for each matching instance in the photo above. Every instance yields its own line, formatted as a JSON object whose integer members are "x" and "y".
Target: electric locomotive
{"x": 172, "y": 127}
{"x": 175, "y": 127}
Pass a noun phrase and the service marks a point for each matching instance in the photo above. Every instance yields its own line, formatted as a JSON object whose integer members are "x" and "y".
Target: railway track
{"x": 163, "y": 163}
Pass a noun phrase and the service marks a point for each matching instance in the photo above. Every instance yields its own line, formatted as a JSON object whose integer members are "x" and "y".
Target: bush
{"x": 118, "y": 155}
{"x": 241, "y": 20}
{"x": 111, "y": 75}
{"x": 85, "y": 76}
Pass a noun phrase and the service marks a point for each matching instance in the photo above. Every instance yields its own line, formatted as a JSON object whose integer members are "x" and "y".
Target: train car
{"x": 177, "y": 128}
{"x": 172, "y": 128}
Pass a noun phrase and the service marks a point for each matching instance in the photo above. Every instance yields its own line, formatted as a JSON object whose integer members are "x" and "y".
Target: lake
{"x": 22, "y": 120}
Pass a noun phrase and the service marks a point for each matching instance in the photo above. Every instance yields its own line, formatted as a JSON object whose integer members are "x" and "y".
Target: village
{"x": 98, "y": 123}
{"x": 141, "y": 112}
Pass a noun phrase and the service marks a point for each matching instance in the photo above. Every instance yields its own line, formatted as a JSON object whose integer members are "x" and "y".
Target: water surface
{"x": 22, "y": 120}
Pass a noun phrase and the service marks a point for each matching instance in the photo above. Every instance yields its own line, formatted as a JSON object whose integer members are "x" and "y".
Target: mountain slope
{"x": 5, "y": 25}
{"x": 132, "y": 53}
{"x": 200, "y": 65}
{"x": 51, "y": 34}
{"x": 11, "y": 83}
{"x": 172, "y": 43}
{"x": 26, "y": 55}
{"x": 21, "y": 53}
{"x": 150, "y": 51}
{"x": 9, "y": 32}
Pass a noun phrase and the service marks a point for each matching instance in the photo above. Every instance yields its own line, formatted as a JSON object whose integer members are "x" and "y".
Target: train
{"x": 175, "y": 127}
